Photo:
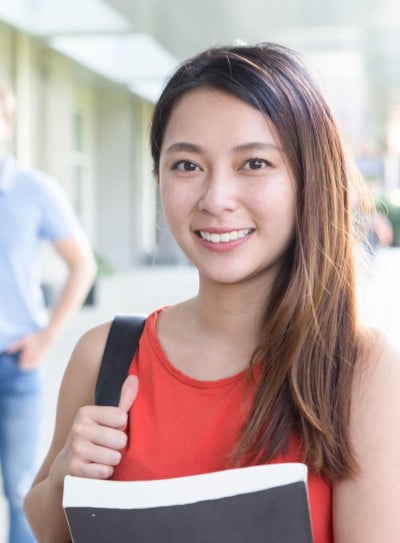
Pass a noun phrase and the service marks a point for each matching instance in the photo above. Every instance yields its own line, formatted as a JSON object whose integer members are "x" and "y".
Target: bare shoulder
{"x": 376, "y": 392}
{"x": 378, "y": 366}
{"x": 366, "y": 505}
{"x": 85, "y": 361}
{"x": 77, "y": 388}
{"x": 91, "y": 344}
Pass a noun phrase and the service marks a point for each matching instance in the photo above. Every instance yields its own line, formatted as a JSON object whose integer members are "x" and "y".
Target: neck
{"x": 222, "y": 322}
{"x": 232, "y": 310}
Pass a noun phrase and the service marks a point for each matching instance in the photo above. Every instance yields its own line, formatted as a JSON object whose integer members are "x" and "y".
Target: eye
{"x": 185, "y": 166}
{"x": 256, "y": 164}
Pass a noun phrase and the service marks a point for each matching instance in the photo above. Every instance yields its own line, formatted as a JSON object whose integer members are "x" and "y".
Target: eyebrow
{"x": 257, "y": 145}
{"x": 183, "y": 146}
{"x": 186, "y": 146}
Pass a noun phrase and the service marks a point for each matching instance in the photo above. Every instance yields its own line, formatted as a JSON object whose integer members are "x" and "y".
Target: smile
{"x": 225, "y": 237}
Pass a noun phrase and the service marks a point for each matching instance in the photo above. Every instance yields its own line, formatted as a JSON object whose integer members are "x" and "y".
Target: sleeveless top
{"x": 181, "y": 426}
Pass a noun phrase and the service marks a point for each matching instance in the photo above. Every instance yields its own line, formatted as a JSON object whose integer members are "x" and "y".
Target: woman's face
{"x": 226, "y": 188}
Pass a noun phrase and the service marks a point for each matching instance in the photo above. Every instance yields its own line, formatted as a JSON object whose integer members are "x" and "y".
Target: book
{"x": 267, "y": 503}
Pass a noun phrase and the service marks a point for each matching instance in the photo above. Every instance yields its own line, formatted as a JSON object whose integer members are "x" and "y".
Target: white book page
{"x": 82, "y": 492}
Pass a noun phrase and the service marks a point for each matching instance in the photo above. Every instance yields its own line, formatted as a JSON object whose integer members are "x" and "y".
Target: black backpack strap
{"x": 122, "y": 341}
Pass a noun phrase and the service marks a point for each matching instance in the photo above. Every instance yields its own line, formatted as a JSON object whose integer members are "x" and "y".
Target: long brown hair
{"x": 308, "y": 329}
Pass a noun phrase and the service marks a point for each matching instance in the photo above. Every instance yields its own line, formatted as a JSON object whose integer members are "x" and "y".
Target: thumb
{"x": 128, "y": 393}
{"x": 15, "y": 347}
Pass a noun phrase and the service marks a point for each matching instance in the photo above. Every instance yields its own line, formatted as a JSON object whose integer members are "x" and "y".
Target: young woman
{"x": 268, "y": 362}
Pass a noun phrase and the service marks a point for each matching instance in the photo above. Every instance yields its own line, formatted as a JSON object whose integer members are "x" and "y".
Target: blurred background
{"x": 87, "y": 73}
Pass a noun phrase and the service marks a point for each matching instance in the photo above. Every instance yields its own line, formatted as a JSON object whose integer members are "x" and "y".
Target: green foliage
{"x": 104, "y": 265}
{"x": 393, "y": 214}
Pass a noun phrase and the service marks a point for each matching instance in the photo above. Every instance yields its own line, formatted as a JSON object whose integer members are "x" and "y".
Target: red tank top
{"x": 181, "y": 426}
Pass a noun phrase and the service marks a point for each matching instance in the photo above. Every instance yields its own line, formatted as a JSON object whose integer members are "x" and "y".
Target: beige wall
{"x": 107, "y": 174}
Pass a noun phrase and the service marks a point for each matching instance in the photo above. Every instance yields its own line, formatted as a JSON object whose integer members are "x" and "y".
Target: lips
{"x": 224, "y": 237}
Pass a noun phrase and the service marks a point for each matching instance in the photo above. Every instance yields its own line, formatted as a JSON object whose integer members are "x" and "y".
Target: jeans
{"x": 21, "y": 398}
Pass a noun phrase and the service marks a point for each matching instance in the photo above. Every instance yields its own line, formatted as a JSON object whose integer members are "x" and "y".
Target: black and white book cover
{"x": 257, "y": 504}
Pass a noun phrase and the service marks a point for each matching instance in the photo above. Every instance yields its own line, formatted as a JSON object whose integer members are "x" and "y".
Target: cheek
{"x": 278, "y": 200}
{"x": 277, "y": 210}
{"x": 166, "y": 195}
{"x": 175, "y": 203}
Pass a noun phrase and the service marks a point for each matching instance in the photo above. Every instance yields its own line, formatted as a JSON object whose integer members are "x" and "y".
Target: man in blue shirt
{"x": 33, "y": 208}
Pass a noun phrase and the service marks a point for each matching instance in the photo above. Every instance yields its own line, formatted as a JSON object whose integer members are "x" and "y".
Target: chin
{"x": 227, "y": 277}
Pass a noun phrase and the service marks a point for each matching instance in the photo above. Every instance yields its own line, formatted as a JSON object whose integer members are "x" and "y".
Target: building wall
{"x": 91, "y": 135}
{"x": 117, "y": 177}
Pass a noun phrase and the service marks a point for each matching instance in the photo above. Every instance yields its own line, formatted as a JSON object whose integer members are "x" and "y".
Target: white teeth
{"x": 225, "y": 237}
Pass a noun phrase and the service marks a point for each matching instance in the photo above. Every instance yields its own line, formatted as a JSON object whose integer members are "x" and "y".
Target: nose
{"x": 218, "y": 194}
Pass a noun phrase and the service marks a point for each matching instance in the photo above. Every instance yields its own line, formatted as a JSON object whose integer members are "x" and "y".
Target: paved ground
{"x": 147, "y": 288}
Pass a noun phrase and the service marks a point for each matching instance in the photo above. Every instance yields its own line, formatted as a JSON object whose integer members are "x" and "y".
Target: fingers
{"x": 105, "y": 432}
{"x": 97, "y": 436}
{"x": 31, "y": 351}
{"x": 89, "y": 457}
{"x": 128, "y": 393}
{"x": 95, "y": 443}
{"x": 15, "y": 347}
{"x": 91, "y": 470}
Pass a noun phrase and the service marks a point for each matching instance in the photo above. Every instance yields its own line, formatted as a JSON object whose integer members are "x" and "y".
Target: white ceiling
{"x": 48, "y": 17}
{"x": 138, "y": 42}
{"x": 97, "y": 36}
{"x": 135, "y": 60}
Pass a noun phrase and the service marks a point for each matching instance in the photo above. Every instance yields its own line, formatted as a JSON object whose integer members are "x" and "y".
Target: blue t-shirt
{"x": 33, "y": 208}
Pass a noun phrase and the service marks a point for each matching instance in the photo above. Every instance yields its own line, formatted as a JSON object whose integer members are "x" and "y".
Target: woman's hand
{"x": 97, "y": 437}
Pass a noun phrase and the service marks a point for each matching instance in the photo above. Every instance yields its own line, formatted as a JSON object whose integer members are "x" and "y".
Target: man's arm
{"x": 75, "y": 251}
